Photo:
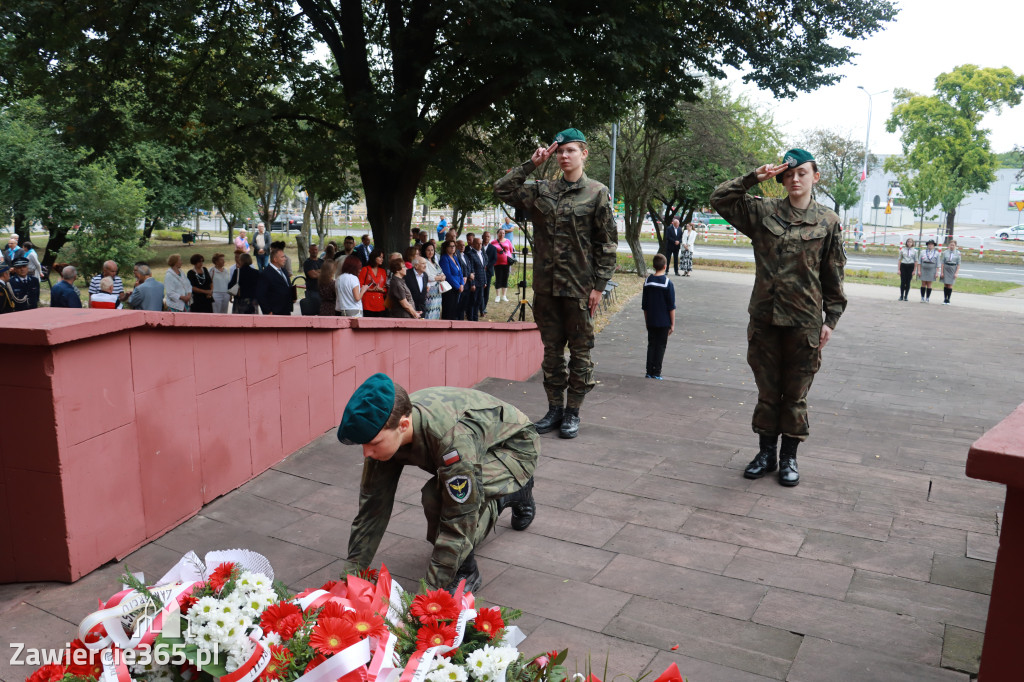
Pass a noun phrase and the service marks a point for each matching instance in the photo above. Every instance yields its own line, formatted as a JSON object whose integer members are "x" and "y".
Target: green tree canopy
{"x": 406, "y": 77}
{"x": 944, "y": 129}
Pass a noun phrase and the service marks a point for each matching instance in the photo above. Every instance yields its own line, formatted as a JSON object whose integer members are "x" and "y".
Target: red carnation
{"x": 367, "y": 623}
{"x": 48, "y": 673}
{"x": 280, "y": 659}
{"x": 331, "y": 635}
{"x": 489, "y": 621}
{"x": 435, "y": 634}
{"x": 434, "y": 606}
{"x": 187, "y": 602}
{"x": 283, "y": 618}
{"x": 369, "y": 575}
{"x": 221, "y": 575}
{"x": 320, "y": 658}
{"x": 82, "y": 662}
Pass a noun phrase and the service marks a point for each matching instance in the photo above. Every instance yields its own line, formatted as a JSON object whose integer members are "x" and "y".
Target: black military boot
{"x": 570, "y": 423}
{"x": 788, "y": 474}
{"x": 550, "y": 421}
{"x": 522, "y": 505}
{"x": 765, "y": 461}
{"x": 468, "y": 571}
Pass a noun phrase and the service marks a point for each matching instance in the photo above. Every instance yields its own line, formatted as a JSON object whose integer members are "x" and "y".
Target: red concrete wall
{"x": 132, "y": 421}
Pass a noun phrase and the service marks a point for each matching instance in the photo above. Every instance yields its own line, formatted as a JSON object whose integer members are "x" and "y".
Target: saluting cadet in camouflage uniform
{"x": 481, "y": 451}
{"x": 575, "y": 240}
{"x": 798, "y": 251}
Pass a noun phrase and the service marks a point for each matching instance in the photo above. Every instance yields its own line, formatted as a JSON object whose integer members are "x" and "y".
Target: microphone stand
{"x": 523, "y": 303}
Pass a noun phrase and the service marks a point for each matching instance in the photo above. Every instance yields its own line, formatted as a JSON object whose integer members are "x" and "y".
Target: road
{"x": 998, "y": 273}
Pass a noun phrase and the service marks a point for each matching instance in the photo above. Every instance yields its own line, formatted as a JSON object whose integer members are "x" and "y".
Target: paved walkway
{"x": 650, "y": 547}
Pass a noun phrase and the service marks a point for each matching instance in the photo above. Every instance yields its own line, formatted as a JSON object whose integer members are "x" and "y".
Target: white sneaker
{"x": 497, "y": 299}
{"x": 505, "y": 299}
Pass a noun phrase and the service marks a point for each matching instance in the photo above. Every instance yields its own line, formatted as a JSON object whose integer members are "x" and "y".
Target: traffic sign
{"x": 1020, "y": 205}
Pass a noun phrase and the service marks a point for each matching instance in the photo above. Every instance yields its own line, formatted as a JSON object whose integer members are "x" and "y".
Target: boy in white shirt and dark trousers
{"x": 659, "y": 306}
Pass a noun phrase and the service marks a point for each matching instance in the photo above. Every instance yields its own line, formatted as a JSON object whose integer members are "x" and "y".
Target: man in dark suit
{"x": 274, "y": 292}
{"x": 673, "y": 238}
{"x": 479, "y": 269}
{"x": 490, "y": 253}
{"x": 364, "y": 250}
{"x": 418, "y": 281}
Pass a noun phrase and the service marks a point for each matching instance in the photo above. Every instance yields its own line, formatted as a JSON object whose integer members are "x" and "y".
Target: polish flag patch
{"x": 451, "y": 458}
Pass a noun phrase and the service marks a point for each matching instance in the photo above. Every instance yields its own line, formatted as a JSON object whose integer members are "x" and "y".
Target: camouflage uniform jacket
{"x": 458, "y": 435}
{"x": 799, "y": 256}
{"x": 575, "y": 238}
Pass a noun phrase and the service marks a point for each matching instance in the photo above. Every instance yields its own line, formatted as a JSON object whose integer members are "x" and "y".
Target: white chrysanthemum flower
{"x": 481, "y": 664}
{"x": 446, "y": 671}
{"x": 270, "y": 638}
{"x": 203, "y": 608}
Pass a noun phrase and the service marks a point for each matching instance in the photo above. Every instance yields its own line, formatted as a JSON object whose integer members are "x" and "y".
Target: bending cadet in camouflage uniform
{"x": 575, "y": 240}
{"x": 798, "y": 251}
{"x": 481, "y": 451}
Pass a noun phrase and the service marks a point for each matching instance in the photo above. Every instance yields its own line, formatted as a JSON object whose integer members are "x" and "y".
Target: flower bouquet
{"x": 235, "y": 624}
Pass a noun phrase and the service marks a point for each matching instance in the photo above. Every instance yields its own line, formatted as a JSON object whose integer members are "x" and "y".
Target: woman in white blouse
{"x": 221, "y": 277}
{"x": 686, "y": 257}
{"x": 177, "y": 289}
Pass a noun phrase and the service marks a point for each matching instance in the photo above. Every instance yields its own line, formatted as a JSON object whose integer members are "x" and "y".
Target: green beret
{"x": 367, "y": 411}
{"x": 569, "y": 135}
{"x": 797, "y": 157}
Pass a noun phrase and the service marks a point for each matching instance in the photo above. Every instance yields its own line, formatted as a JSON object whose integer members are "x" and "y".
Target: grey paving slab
{"x": 920, "y": 599}
{"x": 573, "y": 526}
{"x": 672, "y": 548}
{"x": 890, "y": 557}
{"x": 567, "y": 601}
{"x": 728, "y": 642}
{"x": 982, "y": 546}
{"x": 555, "y": 557}
{"x": 963, "y": 573}
{"x": 791, "y": 573}
{"x": 607, "y": 657}
{"x": 823, "y": 661}
{"x": 961, "y": 649}
{"x": 744, "y": 531}
{"x": 860, "y": 626}
{"x": 634, "y": 509}
{"x": 24, "y": 624}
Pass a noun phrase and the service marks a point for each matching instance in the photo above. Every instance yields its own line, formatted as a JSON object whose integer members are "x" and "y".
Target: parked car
{"x": 283, "y": 224}
{"x": 1015, "y": 232}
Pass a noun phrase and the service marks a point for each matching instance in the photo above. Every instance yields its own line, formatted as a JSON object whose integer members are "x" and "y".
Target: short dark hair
{"x": 349, "y": 238}
{"x": 660, "y": 262}
{"x": 196, "y": 258}
{"x": 245, "y": 260}
{"x": 402, "y": 408}
{"x": 351, "y": 265}
{"x": 274, "y": 250}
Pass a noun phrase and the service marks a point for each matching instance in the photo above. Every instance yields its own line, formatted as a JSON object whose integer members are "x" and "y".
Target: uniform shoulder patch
{"x": 459, "y": 487}
{"x": 451, "y": 458}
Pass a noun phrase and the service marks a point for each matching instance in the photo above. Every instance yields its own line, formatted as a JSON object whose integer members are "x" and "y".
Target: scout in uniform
{"x": 575, "y": 240}
{"x": 799, "y": 257}
{"x": 480, "y": 450}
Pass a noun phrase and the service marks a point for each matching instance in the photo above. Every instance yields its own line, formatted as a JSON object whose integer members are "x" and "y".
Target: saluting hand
{"x": 542, "y": 154}
{"x": 770, "y": 170}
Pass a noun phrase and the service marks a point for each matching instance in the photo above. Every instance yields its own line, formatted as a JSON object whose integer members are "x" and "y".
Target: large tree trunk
{"x": 58, "y": 238}
{"x": 950, "y": 217}
{"x": 22, "y": 228}
{"x": 390, "y": 196}
{"x": 634, "y": 221}
{"x": 148, "y": 225}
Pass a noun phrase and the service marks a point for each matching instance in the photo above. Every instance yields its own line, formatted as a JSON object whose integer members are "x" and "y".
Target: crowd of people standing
{"x": 927, "y": 265}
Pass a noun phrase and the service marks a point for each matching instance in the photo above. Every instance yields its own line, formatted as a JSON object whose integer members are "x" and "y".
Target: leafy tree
{"x": 405, "y": 77}
{"x": 944, "y": 130}
{"x": 234, "y": 201}
{"x": 846, "y": 191}
{"x": 923, "y": 189}
{"x": 110, "y": 210}
{"x": 839, "y": 158}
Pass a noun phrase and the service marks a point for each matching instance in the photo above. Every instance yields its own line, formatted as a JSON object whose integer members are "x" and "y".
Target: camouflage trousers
{"x": 784, "y": 361}
{"x": 565, "y": 321}
{"x": 495, "y": 480}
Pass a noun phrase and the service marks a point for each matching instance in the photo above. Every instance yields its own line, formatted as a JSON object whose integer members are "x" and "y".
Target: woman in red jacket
{"x": 376, "y": 276}
{"x": 501, "y": 266}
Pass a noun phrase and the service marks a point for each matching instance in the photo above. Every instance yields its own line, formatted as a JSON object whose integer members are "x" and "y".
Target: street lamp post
{"x": 867, "y": 148}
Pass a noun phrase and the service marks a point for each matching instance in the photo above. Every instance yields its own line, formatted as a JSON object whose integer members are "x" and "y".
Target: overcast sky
{"x": 927, "y": 38}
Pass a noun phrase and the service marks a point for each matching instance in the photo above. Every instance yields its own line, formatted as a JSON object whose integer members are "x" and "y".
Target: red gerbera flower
{"x": 82, "y": 662}
{"x": 187, "y": 602}
{"x": 434, "y": 606}
{"x": 331, "y": 635}
{"x": 369, "y": 575}
{"x": 329, "y": 585}
{"x": 280, "y": 659}
{"x": 283, "y": 618}
{"x": 221, "y": 575}
{"x": 435, "y": 634}
{"x": 367, "y": 623}
{"x": 48, "y": 673}
{"x": 331, "y": 609}
{"x": 489, "y": 621}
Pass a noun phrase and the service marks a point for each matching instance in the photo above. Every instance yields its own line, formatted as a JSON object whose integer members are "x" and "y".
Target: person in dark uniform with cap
{"x": 575, "y": 241}
{"x": 8, "y": 299}
{"x": 799, "y": 258}
{"x": 481, "y": 451}
{"x": 24, "y": 285}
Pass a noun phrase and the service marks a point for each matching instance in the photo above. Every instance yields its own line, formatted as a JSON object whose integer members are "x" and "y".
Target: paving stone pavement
{"x": 650, "y": 547}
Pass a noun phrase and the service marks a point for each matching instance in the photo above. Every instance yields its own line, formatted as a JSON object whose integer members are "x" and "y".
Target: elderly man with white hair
{"x": 64, "y": 294}
{"x": 149, "y": 292}
{"x": 110, "y": 270}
